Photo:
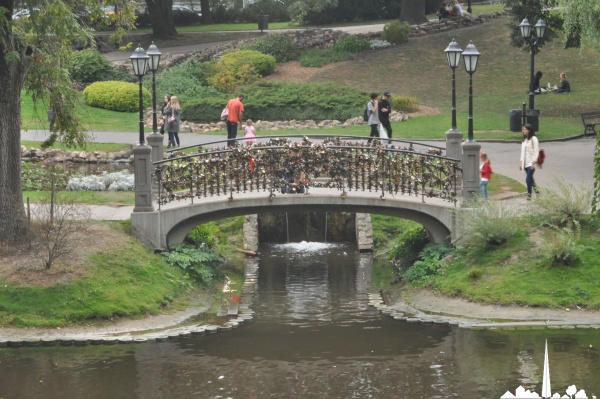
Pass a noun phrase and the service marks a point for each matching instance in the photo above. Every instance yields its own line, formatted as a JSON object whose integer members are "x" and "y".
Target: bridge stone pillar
{"x": 453, "y": 140}
{"x": 470, "y": 165}
{"x": 142, "y": 164}
{"x": 156, "y": 142}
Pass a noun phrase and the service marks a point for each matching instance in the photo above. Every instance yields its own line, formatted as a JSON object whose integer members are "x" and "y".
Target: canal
{"x": 314, "y": 335}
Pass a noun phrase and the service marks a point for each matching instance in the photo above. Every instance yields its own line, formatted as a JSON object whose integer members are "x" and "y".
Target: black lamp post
{"x": 540, "y": 31}
{"x": 453, "y": 52}
{"x": 139, "y": 61}
{"x": 471, "y": 57}
{"x": 154, "y": 55}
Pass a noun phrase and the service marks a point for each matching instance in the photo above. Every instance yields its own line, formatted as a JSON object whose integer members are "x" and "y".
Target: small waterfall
{"x": 325, "y": 238}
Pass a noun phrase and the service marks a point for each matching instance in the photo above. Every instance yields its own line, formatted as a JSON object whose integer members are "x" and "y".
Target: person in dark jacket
{"x": 384, "y": 109}
{"x": 564, "y": 86}
{"x": 537, "y": 88}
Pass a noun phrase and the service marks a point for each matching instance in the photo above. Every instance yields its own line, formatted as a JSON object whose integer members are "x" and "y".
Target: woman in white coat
{"x": 530, "y": 148}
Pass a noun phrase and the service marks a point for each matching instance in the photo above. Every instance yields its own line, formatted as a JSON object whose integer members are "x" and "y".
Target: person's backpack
{"x": 224, "y": 114}
{"x": 366, "y": 114}
{"x": 541, "y": 157}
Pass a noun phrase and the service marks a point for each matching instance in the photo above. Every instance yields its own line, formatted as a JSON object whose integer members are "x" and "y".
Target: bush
{"x": 352, "y": 44}
{"x": 276, "y": 10}
{"x": 203, "y": 236}
{"x": 562, "y": 203}
{"x": 115, "y": 96}
{"x": 39, "y": 177}
{"x": 488, "y": 224}
{"x": 562, "y": 248}
{"x": 430, "y": 261}
{"x": 404, "y": 104}
{"x": 411, "y": 243}
{"x": 396, "y": 32}
{"x": 278, "y": 45}
{"x": 88, "y": 66}
{"x": 239, "y": 68}
{"x": 200, "y": 265}
{"x": 187, "y": 81}
{"x": 285, "y": 101}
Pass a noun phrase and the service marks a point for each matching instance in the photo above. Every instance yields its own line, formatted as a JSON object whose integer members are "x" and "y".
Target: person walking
{"x": 485, "y": 171}
{"x": 530, "y": 148}
{"x": 173, "y": 115}
{"x": 373, "y": 121}
{"x": 384, "y": 109}
{"x": 234, "y": 118}
{"x": 249, "y": 132}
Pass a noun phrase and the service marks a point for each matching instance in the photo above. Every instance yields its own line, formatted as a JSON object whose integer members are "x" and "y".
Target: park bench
{"x": 590, "y": 121}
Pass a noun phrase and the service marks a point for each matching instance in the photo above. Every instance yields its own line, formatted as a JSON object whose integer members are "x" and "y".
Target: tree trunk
{"x": 12, "y": 74}
{"x": 161, "y": 18}
{"x": 413, "y": 12}
{"x": 432, "y": 6}
{"x": 205, "y": 7}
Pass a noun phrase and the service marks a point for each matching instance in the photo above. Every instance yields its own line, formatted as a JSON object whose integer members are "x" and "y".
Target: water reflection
{"x": 314, "y": 336}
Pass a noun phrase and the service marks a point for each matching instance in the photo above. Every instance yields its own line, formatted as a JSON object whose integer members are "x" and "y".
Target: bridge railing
{"x": 295, "y": 164}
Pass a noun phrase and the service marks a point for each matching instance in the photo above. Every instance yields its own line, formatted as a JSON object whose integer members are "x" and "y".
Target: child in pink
{"x": 249, "y": 135}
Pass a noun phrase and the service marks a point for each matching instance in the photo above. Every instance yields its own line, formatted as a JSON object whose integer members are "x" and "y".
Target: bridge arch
{"x": 160, "y": 229}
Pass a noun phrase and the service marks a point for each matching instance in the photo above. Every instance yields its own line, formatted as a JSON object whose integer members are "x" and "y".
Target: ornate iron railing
{"x": 280, "y": 165}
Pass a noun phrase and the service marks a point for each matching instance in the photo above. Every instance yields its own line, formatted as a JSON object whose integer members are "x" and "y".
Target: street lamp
{"x": 139, "y": 61}
{"x": 154, "y": 55}
{"x": 453, "y": 52}
{"x": 540, "y": 31}
{"x": 471, "y": 57}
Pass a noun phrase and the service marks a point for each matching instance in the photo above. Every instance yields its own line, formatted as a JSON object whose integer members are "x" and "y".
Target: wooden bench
{"x": 590, "y": 121}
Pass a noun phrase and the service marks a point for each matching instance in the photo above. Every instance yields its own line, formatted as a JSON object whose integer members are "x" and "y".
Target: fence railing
{"x": 295, "y": 164}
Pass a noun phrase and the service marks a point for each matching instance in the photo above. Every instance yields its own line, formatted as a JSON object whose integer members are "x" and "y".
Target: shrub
{"x": 276, "y": 10}
{"x": 430, "y": 261}
{"x": 88, "y": 66}
{"x": 562, "y": 248}
{"x": 187, "y": 81}
{"x": 562, "y": 203}
{"x": 411, "y": 243}
{"x": 278, "y": 45}
{"x": 285, "y": 101}
{"x": 315, "y": 58}
{"x": 115, "y": 96}
{"x": 488, "y": 224}
{"x": 201, "y": 265}
{"x": 352, "y": 44}
{"x": 396, "y": 32}
{"x": 404, "y": 104}
{"x": 240, "y": 68}
{"x": 39, "y": 177}
{"x": 203, "y": 236}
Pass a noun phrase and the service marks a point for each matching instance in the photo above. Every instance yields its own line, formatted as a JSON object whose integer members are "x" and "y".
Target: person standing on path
{"x": 530, "y": 148}
{"x": 485, "y": 170}
{"x": 166, "y": 103}
{"x": 173, "y": 116}
{"x": 249, "y": 132}
{"x": 372, "y": 111}
{"x": 234, "y": 119}
{"x": 384, "y": 109}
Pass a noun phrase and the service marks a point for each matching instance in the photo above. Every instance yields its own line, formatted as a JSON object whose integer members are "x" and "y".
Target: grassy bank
{"x": 85, "y": 197}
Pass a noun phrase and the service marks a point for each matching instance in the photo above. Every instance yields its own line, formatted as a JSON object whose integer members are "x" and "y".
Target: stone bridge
{"x": 403, "y": 179}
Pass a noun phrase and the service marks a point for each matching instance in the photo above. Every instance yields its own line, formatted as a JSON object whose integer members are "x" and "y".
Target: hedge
{"x": 239, "y": 68}
{"x": 285, "y": 101}
{"x": 116, "y": 96}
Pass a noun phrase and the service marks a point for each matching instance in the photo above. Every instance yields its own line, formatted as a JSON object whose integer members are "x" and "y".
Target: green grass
{"x": 127, "y": 281}
{"x": 91, "y": 146}
{"x": 86, "y": 197}
{"x": 517, "y": 273}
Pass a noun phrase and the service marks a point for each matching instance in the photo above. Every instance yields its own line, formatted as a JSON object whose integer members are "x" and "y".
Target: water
{"x": 314, "y": 336}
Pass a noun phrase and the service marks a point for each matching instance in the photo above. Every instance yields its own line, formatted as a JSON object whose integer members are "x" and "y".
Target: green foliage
{"x": 430, "y": 261}
{"x": 300, "y": 10}
{"x": 88, "y": 66}
{"x": 533, "y": 10}
{"x": 187, "y": 80}
{"x": 410, "y": 243}
{"x": 285, "y": 101}
{"x": 278, "y": 45}
{"x": 581, "y": 22}
{"x": 240, "y": 68}
{"x": 316, "y": 58}
{"x": 561, "y": 247}
{"x": 562, "y": 203}
{"x": 203, "y": 236}
{"x": 352, "y": 44}
{"x": 38, "y": 177}
{"x": 115, "y": 96}
{"x": 404, "y": 103}
{"x": 199, "y": 264}
{"x": 396, "y": 32}
{"x": 488, "y": 224}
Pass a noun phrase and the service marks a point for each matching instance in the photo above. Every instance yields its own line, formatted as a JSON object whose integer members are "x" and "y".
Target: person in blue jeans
{"x": 530, "y": 148}
{"x": 485, "y": 171}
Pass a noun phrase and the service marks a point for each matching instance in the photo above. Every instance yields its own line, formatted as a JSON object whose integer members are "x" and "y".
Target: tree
{"x": 533, "y": 10}
{"x": 35, "y": 48}
{"x": 413, "y": 12}
{"x": 205, "y": 7}
{"x": 161, "y": 18}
